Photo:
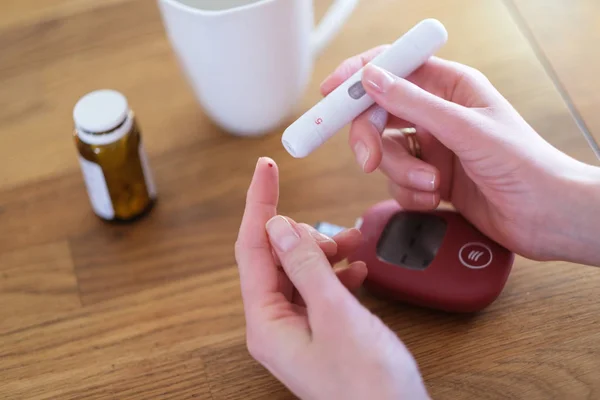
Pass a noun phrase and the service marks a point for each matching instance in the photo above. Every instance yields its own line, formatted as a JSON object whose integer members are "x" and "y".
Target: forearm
{"x": 574, "y": 226}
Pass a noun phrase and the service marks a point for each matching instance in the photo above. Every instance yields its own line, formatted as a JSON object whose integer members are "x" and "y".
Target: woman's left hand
{"x": 303, "y": 323}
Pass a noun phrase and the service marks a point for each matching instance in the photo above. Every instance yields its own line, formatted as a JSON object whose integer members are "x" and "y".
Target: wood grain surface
{"x": 568, "y": 33}
{"x": 152, "y": 309}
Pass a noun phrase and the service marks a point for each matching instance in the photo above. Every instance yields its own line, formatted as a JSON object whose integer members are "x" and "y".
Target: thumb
{"x": 447, "y": 121}
{"x": 303, "y": 261}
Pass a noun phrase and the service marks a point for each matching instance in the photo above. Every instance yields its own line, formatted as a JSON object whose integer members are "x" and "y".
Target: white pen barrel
{"x": 413, "y": 49}
{"x": 349, "y": 100}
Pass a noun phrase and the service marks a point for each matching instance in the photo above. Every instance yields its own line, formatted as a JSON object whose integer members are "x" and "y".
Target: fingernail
{"x": 318, "y": 236}
{"x": 379, "y": 118}
{"x": 282, "y": 233}
{"x": 361, "y": 151}
{"x": 379, "y": 79}
{"x": 421, "y": 179}
{"x": 425, "y": 199}
{"x": 323, "y": 83}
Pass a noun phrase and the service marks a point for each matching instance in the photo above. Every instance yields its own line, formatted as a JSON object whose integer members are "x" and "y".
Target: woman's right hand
{"x": 479, "y": 154}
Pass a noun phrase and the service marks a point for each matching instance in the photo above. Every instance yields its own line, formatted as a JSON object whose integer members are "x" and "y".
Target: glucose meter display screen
{"x": 411, "y": 240}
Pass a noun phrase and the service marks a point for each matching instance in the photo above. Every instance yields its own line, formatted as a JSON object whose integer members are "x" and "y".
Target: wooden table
{"x": 566, "y": 33}
{"x": 153, "y": 310}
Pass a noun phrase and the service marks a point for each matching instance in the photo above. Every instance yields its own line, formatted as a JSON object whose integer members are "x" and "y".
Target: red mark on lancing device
{"x": 319, "y": 121}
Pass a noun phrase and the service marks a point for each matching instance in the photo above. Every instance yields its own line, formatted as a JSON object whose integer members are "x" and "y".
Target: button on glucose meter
{"x": 432, "y": 259}
{"x": 475, "y": 255}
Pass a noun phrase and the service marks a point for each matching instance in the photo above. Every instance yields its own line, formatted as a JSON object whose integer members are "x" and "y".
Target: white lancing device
{"x": 349, "y": 100}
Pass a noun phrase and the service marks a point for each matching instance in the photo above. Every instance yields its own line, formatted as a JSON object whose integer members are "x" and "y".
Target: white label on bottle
{"x": 97, "y": 189}
{"x": 147, "y": 173}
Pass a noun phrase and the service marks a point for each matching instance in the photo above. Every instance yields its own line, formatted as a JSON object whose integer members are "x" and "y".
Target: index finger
{"x": 258, "y": 272}
{"x": 349, "y": 67}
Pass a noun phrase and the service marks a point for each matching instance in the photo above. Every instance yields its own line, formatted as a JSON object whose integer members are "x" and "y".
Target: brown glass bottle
{"x": 112, "y": 157}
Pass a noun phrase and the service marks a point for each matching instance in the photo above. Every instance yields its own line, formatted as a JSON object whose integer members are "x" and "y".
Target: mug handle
{"x": 331, "y": 24}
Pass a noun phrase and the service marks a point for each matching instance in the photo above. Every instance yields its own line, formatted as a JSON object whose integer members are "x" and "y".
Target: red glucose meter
{"x": 432, "y": 259}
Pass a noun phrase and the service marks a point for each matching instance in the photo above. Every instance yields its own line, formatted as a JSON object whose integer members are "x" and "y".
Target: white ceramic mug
{"x": 249, "y": 61}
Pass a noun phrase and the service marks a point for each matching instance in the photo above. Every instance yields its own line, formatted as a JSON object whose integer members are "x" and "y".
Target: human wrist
{"x": 572, "y": 227}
